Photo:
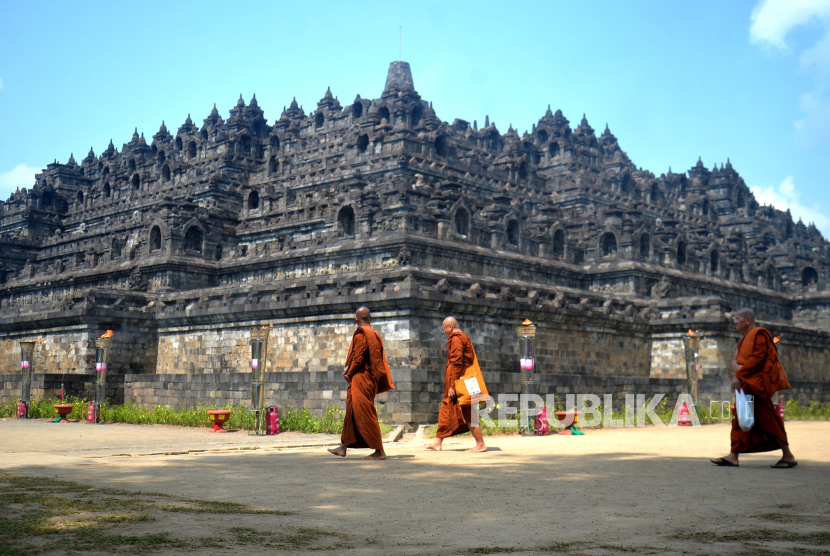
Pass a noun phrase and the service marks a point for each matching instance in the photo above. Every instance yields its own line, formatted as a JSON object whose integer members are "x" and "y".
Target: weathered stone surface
{"x": 182, "y": 244}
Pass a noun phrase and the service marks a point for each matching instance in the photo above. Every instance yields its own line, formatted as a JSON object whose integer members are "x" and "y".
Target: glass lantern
{"x": 259, "y": 355}
{"x": 691, "y": 345}
{"x": 527, "y": 364}
{"x": 27, "y": 351}
{"x": 102, "y": 346}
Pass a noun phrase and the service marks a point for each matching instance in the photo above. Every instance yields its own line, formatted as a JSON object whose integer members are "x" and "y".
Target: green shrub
{"x": 290, "y": 419}
{"x": 816, "y": 411}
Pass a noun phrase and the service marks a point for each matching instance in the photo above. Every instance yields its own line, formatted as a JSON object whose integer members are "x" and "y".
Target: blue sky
{"x": 744, "y": 80}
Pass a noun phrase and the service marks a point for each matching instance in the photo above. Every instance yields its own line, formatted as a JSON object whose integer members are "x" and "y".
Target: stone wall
{"x": 72, "y": 349}
{"x": 202, "y": 354}
{"x": 312, "y": 345}
{"x": 59, "y": 350}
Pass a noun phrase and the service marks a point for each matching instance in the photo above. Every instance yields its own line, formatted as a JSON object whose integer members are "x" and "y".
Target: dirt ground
{"x": 612, "y": 491}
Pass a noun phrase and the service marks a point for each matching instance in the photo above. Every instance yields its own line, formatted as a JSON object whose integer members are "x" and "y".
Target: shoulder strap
{"x": 351, "y": 354}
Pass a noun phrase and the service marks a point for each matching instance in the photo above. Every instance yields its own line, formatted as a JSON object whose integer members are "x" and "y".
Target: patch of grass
{"x": 94, "y": 538}
{"x": 212, "y": 542}
{"x": 299, "y": 537}
{"x": 555, "y": 547}
{"x": 303, "y": 421}
{"x": 562, "y": 546}
{"x": 777, "y": 517}
{"x": 42, "y": 514}
{"x": 819, "y": 538}
{"x": 209, "y": 507}
{"x": 41, "y": 408}
{"x": 815, "y": 411}
{"x": 794, "y": 551}
{"x": 300, "y": 420}
{"x": 494, "y": 550}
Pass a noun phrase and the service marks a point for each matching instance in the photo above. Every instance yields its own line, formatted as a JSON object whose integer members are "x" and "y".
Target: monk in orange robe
{"x": 759, "y": 373}
{"x": 453, "y": 418}
{"x": 367, "y": 373}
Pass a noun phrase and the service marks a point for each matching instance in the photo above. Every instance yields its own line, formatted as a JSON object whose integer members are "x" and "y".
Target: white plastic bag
{"x": 745, "y": 409}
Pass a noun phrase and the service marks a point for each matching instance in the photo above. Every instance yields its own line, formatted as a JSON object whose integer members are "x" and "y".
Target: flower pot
{"x": 63, "y": 410}
{"x": 218, "y": 418}
{"x": 570, "y": 417}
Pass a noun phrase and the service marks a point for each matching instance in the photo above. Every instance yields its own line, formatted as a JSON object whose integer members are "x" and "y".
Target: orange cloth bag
{"x": 471, "y": 384}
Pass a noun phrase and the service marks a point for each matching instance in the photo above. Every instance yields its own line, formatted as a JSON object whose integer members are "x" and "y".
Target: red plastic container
{"x": 540, "y": 422}
{"x": 93, "y": 414}
{"x": 272, "y": 420}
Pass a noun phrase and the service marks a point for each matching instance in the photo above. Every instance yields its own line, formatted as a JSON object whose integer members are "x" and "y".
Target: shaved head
{"x": 450, "y": 325}
{"x": 746, "y": 313}
{"x": 362, "y": 316}
{"x": 744, "y": 319}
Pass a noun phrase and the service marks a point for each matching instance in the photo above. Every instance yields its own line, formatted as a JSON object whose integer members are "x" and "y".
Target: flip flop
{"x": 787, "y": 464}
{"x": 723, "y": 463}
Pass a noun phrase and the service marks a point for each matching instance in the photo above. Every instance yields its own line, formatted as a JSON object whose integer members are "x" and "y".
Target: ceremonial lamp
{"x": 102, "y": 346}
{"x": 259, "y": 355}
{"x": 527, "y": 335}
{"x": 27, "y": 350}
{"x": 691, "y": 344}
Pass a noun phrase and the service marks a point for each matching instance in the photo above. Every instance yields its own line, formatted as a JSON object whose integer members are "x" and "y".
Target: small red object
{"x": 272, "y": 420}
{"x": 93, "y": 414}
{"x": 685, "y": 419}
{"x": 22, "y": 409}
{"x": 540, "y": 422}
{"x": 781, "y": 408}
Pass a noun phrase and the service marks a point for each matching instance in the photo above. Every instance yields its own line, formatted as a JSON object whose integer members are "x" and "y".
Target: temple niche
{"x": 206, "y": 228}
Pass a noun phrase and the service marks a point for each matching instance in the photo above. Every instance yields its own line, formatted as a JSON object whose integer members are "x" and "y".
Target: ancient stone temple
{"x": 181, "y": 243}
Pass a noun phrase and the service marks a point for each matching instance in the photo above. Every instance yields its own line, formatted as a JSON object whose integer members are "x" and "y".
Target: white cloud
{"x": 772, "y": 22}
{"x": 785, "y": 196}
{"x": 21, "y": 176}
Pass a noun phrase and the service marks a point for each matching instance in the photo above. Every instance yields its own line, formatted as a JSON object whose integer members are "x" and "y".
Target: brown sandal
{"x": 724, "y": 463}
{"x": 787, "y": 464}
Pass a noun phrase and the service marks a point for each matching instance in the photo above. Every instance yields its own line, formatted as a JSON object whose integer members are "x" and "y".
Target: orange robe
{"x": 453, "y": 418}
{"x": 761, "y": 376}
{"x": 368, "y": 371}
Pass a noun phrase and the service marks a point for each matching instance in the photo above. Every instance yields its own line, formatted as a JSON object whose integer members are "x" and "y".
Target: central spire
{"x": 399, "y": 77}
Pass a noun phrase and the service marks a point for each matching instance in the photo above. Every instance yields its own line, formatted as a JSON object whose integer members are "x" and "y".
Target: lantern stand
{"x": 259, "y": 358}
{"x": 527, "y": 364}
{"x": 691, "y": 345}
{"x": 93, "y": 408}
{"x": 27, "y": 350}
